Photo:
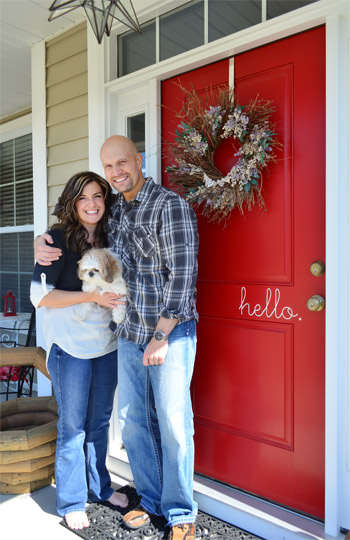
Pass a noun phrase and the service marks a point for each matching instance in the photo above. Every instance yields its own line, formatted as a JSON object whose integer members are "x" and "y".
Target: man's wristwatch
{"x": 159, "y": 335}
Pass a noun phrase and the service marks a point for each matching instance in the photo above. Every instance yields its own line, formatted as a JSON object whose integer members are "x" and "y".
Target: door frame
{"x": 335, "y": 16}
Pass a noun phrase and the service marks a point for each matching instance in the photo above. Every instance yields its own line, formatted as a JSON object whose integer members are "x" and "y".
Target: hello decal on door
{"x": 271, "y": 309}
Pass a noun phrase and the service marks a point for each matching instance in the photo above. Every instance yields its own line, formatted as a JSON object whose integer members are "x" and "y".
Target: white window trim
{"x": 16, "y": 229}
{"x": 335, "y": 15}
{"x": 16, "y": 128}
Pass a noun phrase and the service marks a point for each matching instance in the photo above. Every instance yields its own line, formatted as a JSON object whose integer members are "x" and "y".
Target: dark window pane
{"x": 23, "y": 158}
{"x": 24, "y": 203}
{"x": 182, "y": 30}
{"x": 136, "y": 51}
{"x": 6, "y": 162}
{"x": 17, "y": 262}
{"x": 279, "y": 7}
{"x": 7, "y": 205}
{"x": 26, "y": 253}
{"x": 137, "y": 133}
{"x": 16, "y": 182}
{"x": 25, "y": 305}
{"x": 229, "y": 16}
{"x": 9, "y": 253}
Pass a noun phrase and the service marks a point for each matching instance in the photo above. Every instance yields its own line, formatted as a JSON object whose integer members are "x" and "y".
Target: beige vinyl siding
{"x": 67, "y": 110}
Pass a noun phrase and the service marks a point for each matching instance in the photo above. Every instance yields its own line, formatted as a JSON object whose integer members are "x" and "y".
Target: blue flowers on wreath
{"x": 201, "y": 131}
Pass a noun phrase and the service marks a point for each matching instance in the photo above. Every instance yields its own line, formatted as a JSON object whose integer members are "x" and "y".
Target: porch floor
{"x": 33, "y": 517}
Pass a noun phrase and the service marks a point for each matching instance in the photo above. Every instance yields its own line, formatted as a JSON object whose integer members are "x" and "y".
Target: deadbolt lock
{"x": 317, "y": 268}
{"x": 315, "y": 303}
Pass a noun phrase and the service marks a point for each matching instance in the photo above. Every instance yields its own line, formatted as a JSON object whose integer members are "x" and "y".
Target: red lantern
{"x": 9, "y": 305}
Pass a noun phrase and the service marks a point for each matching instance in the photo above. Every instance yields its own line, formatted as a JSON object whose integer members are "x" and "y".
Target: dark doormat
{"x": 106, "y": 524}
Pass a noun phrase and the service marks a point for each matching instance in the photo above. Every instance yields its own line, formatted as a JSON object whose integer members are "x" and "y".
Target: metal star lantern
{"x": 100, "y": 14}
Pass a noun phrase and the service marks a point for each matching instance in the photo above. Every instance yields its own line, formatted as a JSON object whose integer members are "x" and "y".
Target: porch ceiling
{"x": 24, "y": 23}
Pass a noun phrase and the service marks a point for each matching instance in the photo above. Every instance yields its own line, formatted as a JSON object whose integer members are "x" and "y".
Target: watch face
{"x": 159, "y": 335}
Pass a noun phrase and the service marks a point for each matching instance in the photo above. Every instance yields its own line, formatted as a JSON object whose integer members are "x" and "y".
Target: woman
{"x": 82, "y": 356}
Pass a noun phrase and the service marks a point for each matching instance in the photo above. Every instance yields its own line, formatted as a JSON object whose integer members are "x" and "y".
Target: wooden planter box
{"x": 28, "y": 435}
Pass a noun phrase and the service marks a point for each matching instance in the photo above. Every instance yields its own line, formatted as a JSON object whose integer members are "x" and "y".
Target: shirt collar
{"x": 141, "y": 196}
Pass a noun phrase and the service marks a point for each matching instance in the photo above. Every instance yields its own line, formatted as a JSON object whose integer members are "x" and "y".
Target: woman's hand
{"x": 43, "y": 253}
{"x": 107, "y": 299}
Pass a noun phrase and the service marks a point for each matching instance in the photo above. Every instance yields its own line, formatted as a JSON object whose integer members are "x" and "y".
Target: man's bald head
{"x": 122, "y": 165}
{"x": 118, "y": 141}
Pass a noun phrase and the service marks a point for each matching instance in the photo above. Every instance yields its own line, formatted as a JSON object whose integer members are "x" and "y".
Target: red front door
{"x": 258, "y": 388}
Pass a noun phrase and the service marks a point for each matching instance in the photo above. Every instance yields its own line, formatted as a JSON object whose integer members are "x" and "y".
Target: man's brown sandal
{"x": 183, "y": 531}
{"x": 137, "y": 518}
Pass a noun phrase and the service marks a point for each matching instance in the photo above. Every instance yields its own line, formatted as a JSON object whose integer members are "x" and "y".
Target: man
{"x": 154, "y": 232}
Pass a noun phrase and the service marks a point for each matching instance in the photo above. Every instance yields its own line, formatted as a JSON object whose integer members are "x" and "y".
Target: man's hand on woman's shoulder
{"x": 43, "y": 253}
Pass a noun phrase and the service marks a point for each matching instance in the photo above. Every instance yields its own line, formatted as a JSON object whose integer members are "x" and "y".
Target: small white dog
{"x": 101, "y": 271}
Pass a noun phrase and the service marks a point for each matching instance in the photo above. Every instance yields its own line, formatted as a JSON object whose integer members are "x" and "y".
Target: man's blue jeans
{"x": 84, "y": 391}
{"x": 156, "y": 418}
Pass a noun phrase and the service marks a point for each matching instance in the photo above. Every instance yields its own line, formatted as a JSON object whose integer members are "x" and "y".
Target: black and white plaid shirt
{"x": 155, "y": 236}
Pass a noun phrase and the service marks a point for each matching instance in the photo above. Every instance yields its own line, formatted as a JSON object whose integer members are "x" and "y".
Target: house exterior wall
{"x": 67, "y": 110}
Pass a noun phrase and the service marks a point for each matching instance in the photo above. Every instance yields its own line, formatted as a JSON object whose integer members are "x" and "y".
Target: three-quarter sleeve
{"x": 45, "y": 278}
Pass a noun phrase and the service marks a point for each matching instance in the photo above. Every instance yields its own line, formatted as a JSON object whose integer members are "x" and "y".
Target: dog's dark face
{"x": 98, "y": 265}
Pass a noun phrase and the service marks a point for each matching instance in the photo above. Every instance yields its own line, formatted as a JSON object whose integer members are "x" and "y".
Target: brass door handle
{"x": 315, "y": 303}
{"x": 317, "y": 268}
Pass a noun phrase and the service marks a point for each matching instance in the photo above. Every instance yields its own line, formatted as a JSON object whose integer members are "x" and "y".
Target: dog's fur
{"x": 100, "y": 271}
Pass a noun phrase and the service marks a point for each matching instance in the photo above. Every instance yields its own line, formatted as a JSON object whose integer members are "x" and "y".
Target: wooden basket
{"x": 28, "y": 432}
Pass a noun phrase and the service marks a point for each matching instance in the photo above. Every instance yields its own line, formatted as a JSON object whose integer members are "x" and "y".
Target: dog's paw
{"x": 118, "y": 314}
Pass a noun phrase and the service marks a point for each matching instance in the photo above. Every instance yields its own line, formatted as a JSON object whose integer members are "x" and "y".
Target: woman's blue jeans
{"x": 84, "y": 390}
{"x": 156, "y": 418}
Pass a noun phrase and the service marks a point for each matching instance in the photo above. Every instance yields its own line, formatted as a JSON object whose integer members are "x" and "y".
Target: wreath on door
{"x": 201, "y": 131}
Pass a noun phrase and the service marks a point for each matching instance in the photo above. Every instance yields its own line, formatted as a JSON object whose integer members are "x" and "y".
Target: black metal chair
{"x": 23, "y": 375}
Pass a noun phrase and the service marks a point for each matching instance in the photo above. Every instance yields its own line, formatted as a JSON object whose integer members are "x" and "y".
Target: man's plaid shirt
{"x": 155, "y": 236}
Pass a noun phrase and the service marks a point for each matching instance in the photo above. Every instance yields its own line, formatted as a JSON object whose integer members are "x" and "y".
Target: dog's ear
{"x": 111, "y": 267}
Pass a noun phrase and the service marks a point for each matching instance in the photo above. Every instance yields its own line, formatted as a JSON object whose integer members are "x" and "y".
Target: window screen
{"x": 279, "y": 7}
{"x": 181, "y": 30}
{"x": 16, "y": 209}
{"x": 229, "y": 16}
{"x": 16, "y": 182}
{"x": 136, "y": 51}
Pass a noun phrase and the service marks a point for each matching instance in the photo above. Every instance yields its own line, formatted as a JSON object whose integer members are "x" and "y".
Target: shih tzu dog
{"x": 100, "y": 271}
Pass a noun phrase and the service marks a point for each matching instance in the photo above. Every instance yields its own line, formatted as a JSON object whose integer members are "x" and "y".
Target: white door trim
{"x": 337, "y": 499}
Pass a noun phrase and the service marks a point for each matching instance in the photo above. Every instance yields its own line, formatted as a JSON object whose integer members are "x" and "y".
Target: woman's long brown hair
{"x": 75, "y": 233}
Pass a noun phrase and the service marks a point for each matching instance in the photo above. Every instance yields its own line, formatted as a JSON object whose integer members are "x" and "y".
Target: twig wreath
{"x": 201, "y": 131}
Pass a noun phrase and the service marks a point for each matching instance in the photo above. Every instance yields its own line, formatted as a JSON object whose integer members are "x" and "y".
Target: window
{"x": 136, "y": 51}
{"x": 16, "y": 220}
{"x": 186, "y": 28}
{"x": 227, "y": 17}
{"x": 136, "y": 132}
{"x": 279, "y": 7}
{"x": 181, "y": 30}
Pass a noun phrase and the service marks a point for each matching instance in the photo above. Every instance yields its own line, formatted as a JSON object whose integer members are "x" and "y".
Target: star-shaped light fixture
{"x": 100, "y": 14}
